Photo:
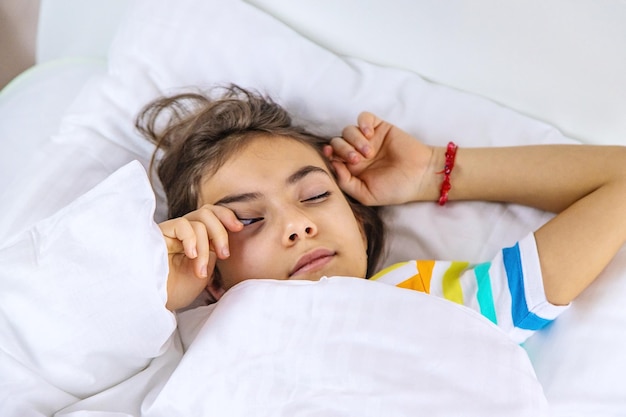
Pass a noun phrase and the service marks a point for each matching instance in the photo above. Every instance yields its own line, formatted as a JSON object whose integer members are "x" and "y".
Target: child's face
{"x": 298, "y": 223}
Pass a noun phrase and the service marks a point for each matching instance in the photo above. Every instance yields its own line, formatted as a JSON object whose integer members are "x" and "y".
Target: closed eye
{"x": 319, "y": 197}
{"x": 248, "y": 222}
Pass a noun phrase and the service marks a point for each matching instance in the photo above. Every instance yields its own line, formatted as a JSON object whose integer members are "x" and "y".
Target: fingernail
{"x": 353, "y": 157}
{"x": 194, "y": 252}
{"x": 204, "y": 271}
{"x": 366, "y": 130}
{"x": 225, "y": 252}
{"x": 366, "y": 149}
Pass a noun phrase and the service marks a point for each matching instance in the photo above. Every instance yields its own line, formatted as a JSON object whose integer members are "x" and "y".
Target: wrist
{"x": 446, "y": 172}
{"x": 429, "y": 188}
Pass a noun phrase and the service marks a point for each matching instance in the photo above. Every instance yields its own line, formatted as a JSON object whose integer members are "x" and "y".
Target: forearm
{"x": 548, "y": 177}
{"x": 586, "y": 185}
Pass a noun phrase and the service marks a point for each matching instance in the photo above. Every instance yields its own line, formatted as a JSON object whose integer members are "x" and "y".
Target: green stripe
{"x": 484, "y": 294}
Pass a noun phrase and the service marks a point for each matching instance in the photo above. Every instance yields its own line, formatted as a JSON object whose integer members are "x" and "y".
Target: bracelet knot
{"x": 446, "y": 186}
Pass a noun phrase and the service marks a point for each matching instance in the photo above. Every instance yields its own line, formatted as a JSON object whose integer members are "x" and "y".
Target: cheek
{"x": 356, "y": 226}
{"x": 246, "y": 245}
{"x": 349, "y": 226}
{"x": 354, "y": 246}
{"x": 248, "y": 257}
{"x": 358, "y": 233}
{"x": 231, "y": 267}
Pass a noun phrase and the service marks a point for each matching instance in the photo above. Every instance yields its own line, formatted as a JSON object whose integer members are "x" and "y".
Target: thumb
{"x": 173, "y": 245}
{"x": 351, "y": 184}
{"x": 179, "y": 237}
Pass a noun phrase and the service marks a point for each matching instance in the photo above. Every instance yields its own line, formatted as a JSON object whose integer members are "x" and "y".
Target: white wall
{"x": 18, "y": 25}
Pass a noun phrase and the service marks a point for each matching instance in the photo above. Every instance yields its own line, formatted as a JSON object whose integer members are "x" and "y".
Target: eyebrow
{"x": 303, "y": 172}
{"x": 292, "y": 179}
{"x": 238, "y": 198}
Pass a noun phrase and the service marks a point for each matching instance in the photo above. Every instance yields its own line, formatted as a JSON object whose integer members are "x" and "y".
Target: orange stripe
{"x": 425, "y": 269}
{"x": 413, "y": 283}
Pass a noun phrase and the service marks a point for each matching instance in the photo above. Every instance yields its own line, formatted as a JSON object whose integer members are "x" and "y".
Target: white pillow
{"x": 151, "y": 56}
{"x": 196, "y": 44}
{"x": 31, "y": 107}
{"x": 68, "y": 331}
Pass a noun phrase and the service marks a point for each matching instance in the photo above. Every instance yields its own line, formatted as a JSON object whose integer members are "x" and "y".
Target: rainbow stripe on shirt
{"x": 495, "y": 289}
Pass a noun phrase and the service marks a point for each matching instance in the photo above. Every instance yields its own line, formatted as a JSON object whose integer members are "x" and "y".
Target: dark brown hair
{"x": 197, "y": 134}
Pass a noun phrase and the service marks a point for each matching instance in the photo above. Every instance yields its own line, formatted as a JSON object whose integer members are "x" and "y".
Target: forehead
{"x": 264, "y": 161}
{"x": 271, "y": 147}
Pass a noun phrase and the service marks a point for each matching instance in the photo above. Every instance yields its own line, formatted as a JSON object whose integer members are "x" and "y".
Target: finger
{"x": 368, "y": 122}
{"x": 201, "y": 262}
{"x": 217, "y": 234}
{"x": 179, "y": 237}
{"x": 218, "y": 221}
{"x": 350, "y": 184}
{"x": 327, "y": 150}
{"x": 329, "y": 153}
{"x": 228, "y": 219}
{"x": 343, "y": 150}
{"x": 354, "y": 136}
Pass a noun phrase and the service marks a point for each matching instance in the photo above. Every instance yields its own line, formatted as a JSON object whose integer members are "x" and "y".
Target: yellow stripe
{"x": 451, "y": 283}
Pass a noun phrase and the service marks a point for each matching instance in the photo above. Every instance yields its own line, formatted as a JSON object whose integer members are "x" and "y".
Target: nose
{"x": 298, "y": 226}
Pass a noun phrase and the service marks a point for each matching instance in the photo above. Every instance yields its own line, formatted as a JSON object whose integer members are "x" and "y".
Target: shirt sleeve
{"x": 508, "y": 290}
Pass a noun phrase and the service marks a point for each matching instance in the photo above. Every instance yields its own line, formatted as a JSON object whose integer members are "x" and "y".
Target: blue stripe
{"x": 484, "y": 293}
{"x": 522, "y": 318}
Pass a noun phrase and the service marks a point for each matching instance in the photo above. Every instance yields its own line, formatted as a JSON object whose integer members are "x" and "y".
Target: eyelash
{"x": 318, "y": 197}
{"x": 323, "y": 196}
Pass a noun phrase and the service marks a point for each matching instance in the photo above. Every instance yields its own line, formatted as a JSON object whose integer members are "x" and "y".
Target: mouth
{"x": 312, "y": 261}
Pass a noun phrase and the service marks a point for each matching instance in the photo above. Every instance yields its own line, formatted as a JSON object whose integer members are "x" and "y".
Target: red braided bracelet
{"x": 447, "y": 170}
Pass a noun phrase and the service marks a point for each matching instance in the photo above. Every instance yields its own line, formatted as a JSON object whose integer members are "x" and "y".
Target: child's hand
{"x": 380, "y": 164}
{"x": 194, "y": 242}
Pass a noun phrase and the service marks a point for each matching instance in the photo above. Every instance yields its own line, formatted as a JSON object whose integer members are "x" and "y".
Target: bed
{"x": 79, "y": 211}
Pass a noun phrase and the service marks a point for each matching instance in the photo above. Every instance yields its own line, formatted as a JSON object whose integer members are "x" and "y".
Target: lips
{"x": 312, "y": 261}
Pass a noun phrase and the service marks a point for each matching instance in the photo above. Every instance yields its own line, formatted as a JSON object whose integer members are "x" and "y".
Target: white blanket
{"x": 83, "y": 314}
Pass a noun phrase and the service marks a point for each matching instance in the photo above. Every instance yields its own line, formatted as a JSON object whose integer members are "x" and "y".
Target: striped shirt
{"x": 507, "y": 290}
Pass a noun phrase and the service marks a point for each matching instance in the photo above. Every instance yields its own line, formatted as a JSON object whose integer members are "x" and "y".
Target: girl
{"x": 252, "y": 196}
